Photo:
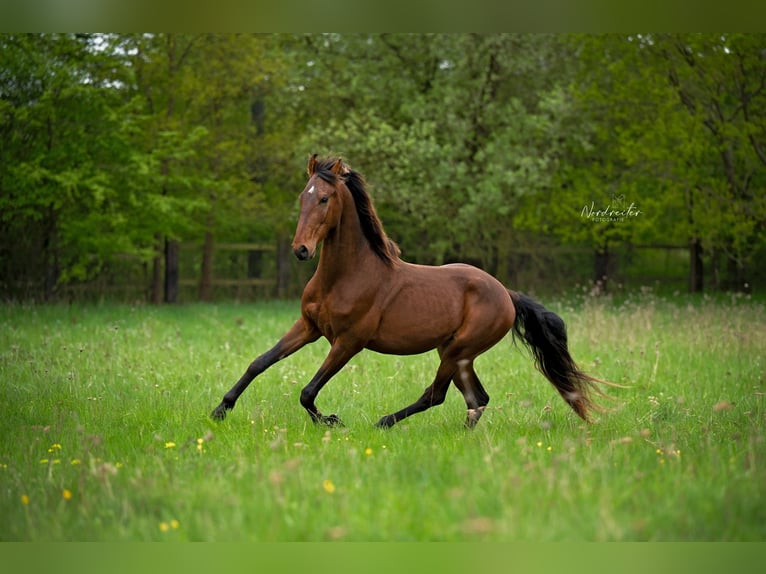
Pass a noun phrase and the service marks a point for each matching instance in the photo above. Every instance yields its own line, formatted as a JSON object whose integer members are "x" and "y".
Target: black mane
{"x": 372, "y": 228}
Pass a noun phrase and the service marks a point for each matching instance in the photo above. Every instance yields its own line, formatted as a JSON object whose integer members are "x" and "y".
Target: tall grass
{"x": 106, "y": 435}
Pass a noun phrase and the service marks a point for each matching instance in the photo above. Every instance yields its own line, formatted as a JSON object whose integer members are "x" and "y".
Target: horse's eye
{"x": 324, "y": 199}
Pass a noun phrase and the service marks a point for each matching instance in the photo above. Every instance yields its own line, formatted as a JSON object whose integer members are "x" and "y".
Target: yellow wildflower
{"x": 328, "y": 486}
{"x": 170, "y": 444}
{"x": 174, "y": 524}
{"x": 368, "y": 451}
{"x": 75, "y": 461}
{"x": 24, "y": 499}
{"x": 67, "y": 494}
{"x": 164, "y": 526}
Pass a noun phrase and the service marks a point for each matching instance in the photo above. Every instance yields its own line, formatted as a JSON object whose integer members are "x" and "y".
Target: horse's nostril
{"x": 301, "y": 252}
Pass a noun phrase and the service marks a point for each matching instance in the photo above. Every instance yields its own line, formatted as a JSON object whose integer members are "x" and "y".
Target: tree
{"x": 602, "y": 195}
{"x": 451, "y": 129}
{"x": 671, "y": 124}
{"x": 121, "y": 145}
{"x": 61, "y": 213}
{"x": 720, "y": 81}
{"x": 197, "y": 138}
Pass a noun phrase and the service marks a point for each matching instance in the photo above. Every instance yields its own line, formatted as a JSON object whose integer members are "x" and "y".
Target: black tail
{"x": 545, "y": 334}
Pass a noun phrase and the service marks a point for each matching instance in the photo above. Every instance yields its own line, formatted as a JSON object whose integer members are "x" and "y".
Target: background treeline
{"x": 128, "y": 160}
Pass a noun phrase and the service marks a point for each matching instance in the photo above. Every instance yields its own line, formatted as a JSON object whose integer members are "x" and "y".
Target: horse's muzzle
{"x": 302, "y": 253}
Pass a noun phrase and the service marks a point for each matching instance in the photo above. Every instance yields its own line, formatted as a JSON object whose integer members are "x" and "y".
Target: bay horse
{"x": 364, "y": 296}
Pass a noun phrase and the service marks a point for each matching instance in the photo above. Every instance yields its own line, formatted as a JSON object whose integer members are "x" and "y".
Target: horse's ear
{"x": 312, "y": 166}
{"x": 338, "y": 168}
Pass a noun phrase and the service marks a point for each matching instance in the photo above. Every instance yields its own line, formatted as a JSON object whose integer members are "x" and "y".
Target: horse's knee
{"x": 307, "y": 397}
{"x": 435, "y": 397}
{"x": 259, "y": 365}
{"x": 254, "y": 369}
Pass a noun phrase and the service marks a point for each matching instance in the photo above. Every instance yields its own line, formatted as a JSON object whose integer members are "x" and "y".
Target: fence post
{"x": 157, "y": 270}
{"x": 206, "y": 272}
{"x": 696, "y": 272}
{"x": 283, "y": 265}
{"x": 171, "y": 271}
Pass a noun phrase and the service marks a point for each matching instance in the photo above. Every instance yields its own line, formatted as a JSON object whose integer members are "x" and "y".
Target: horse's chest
{"x": 335, "y": 316}
{"x": 326, "y": 325}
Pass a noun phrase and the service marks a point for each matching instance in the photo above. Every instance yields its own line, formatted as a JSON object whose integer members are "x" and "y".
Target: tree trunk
{"x": 206, "y": 273}
{"x": 735, "y": 276}
{"x": 284, "y": 259}
{"x": 157, "y": 271}
{"x": 52, "y": 268}
{"x": 601, "y": 268}
{"x": 503, "y": 269}
{"x": 695, "y": 266}
{"x": 254, "y": 264}
{"x": 172, "y": 249}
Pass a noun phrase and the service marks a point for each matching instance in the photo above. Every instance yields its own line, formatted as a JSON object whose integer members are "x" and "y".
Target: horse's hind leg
{"x": 476, "y": 398}
{"x": 468, "y": 383}
{"x": 433, "y": 395}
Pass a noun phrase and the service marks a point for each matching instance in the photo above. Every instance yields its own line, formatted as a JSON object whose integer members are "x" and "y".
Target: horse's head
{"x": 320, "y": 207}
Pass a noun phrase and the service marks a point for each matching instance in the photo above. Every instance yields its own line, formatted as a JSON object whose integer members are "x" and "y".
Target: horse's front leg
{"x": 299, "y": 335}
{"x": 340, "y": 354}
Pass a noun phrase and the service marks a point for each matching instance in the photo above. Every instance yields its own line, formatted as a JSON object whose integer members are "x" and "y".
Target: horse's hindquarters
{"x": 432, "y": 306}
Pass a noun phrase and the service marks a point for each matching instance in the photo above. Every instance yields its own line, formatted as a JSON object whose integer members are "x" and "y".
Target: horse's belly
{"x": 413, "y": 326}
{"x": 405, "y": 346}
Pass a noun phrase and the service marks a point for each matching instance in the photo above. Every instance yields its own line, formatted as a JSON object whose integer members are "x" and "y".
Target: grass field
{"x": 105, "y": 433}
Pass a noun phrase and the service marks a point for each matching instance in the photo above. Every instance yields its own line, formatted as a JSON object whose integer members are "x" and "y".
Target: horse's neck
{"x": 346, "y": 253}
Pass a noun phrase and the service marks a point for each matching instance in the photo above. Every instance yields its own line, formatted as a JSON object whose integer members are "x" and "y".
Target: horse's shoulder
{"x": 310, "y": 300}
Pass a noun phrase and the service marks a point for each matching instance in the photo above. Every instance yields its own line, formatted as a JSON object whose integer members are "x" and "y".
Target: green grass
{"x": 105, "y": 432}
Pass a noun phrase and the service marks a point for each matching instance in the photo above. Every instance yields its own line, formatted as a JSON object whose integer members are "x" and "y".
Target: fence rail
{"x": 239, "y": 269}
{"x": 269, "y": 247}
{"x": 249, "y": 282}
{"x": 260, "y": 270}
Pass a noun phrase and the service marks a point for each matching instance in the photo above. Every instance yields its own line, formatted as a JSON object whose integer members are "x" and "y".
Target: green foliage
{"x": 113, "y": 140}
{"x": 450, "y": 129}
{"x": 670, "y": 123}
{"x": 61, "y": 134}
{"x": 472, "y": 143}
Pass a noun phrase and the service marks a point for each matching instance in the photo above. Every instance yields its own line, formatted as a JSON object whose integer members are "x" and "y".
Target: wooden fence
{"x": 239, "y": 270}
{"x": 257, "y": 271}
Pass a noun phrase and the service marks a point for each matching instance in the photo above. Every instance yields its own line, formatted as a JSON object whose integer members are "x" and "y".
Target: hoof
{"x": 219, "y": 413}
{"x": 473, "y": 417}
{"x": 386, "y": 422}
{"x": 332, "y": 421}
